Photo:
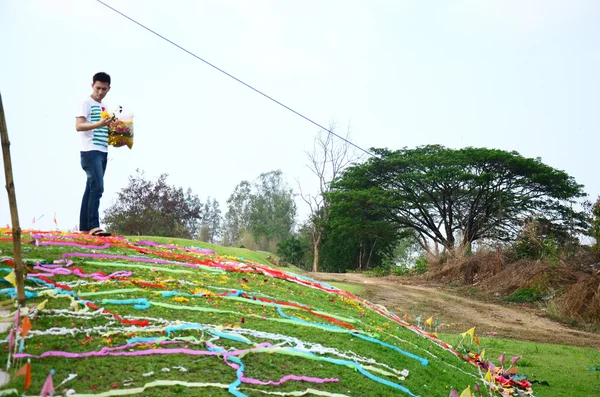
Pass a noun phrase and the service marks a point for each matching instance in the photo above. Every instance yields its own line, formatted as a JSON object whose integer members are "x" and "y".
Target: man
{"x": 94, "y": 138}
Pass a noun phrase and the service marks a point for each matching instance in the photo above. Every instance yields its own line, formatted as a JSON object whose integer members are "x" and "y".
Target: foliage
{"x": 357, "y": 235}
{"x": 154, "y": 208}
{"x": 421, "y": 265}
{"x": 526, "y": 295}
{"x": 291, "y": 250}
{"x": 536, "y": 241}
{"x": 211, "y": 225}
{"x": 237, "y": 218}
{"x": 595, "y": 226}
{"x": 273, "y": 208}
{"x": 265, "y": 209}
{"x": 458, "y": 196}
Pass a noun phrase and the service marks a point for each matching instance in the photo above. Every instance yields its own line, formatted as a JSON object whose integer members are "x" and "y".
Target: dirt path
{"x": 457, "y": 314}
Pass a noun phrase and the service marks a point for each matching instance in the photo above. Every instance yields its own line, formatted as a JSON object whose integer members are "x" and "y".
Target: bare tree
{"x": 328, "y": 158}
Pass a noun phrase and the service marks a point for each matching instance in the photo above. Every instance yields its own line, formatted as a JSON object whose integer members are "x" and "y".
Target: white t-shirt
{"x": 94, "y": 139}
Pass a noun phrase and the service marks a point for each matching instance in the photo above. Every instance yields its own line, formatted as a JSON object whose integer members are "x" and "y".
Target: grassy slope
{"x": 245, "y": 254}
{"x": 103, "y": 373}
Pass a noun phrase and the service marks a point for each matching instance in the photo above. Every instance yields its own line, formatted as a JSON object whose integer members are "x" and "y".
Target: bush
{"x": 525, "y": 295}
{"x": 401, "y": 270}
{"x": 421, "y": 265}
{"x": 292, "y": 251}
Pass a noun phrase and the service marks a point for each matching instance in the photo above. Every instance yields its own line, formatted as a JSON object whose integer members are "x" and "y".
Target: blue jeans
{"x": 94, "y": 165}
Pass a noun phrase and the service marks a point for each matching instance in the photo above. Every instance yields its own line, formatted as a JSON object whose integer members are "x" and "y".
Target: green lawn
{"x": 274, "y": 324}
{"x": 561, "y": 370}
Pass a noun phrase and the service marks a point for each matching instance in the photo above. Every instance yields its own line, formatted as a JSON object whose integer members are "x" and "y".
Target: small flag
{"x": 405, "y": 317}
{"x": 482, "y": 356}
{"x": 466, "y": 392}
{"x": 436, "y": 323}
{"x": 488, "y": 376}
{"x": 477, "y": 340}
{"x": 25, "y": 326}
{"x": 48, "y": 388}
{"x": 501, "y": 359}
{"x": 18, "y": 316}
{"x": 11, "y": 279}
{"x": 56, "y": 223}
{"x": 429, "y": 321}
{"x": 514, "y": 360}
{"x": 453, "y": 393}
{"x": 42, "y": 305}
{"x": 418, "y": 320}
{"x": 25, "y": 370}
{"x": 11, "y": 338}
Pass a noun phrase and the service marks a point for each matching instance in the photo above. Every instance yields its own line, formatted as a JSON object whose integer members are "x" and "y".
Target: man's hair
{"x": 101, "y": 77}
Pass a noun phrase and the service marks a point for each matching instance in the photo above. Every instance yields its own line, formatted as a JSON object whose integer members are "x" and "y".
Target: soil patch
{"x": 457, "y": 314}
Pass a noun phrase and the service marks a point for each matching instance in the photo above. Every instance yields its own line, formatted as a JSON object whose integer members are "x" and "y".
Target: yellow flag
{"x": 482, "y": 355}
{"x": 42, "y": 305}
{"x": 429, "y": 321}
{"x": 466, "y": 392}
{"x": 488, "y": 376}
{"x": 11, "y": 279}
{"x": 471, "y": 332}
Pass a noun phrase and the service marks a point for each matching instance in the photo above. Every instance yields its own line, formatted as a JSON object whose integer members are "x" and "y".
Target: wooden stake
{"x": 12, "y": 201}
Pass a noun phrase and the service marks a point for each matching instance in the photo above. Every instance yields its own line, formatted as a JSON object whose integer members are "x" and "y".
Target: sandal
{"x": 99, "y": 232}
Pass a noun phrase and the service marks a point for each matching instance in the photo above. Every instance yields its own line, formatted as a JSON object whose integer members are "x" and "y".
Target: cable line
{"x": 235, "y": 78}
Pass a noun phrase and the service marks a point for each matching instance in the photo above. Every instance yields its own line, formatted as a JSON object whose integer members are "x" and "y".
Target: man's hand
{"x": 105, "y": 121}
{"x": 82, "y": 125}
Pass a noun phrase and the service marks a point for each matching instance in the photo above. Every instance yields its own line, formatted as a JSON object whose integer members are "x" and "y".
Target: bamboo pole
{"x": 12, "y": 201}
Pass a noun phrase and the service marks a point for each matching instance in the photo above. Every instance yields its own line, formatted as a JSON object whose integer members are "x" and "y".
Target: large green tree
{"x": 153, "y": 208}
{"x": 455, "y": 197}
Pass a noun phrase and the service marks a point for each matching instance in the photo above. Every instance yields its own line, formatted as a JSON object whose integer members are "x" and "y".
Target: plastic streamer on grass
{"x": 99, "y": 276}
{"x": 143, "y": 304}
{"x": 423, "y": 361}
{"x": 239, "y": 370}
{"x": 300, "y": 393}
{"x": 62, "y": 289}
{"x": 12, "y": 293}
{"x": 312, "y": 347}
{"x": 38, "y": 243}
{"x": 130, "y": 265}
{"x": 330, "y": 289}
{"x": 110, "y": 292}
{"x": 351, "y": 364}
{"x": 139, "y": 303}
{"x": 137, "y": 259}
{"x": 164, "y": 383}
{"x": 150, "y": 385}
{"x": 213, "y": 351}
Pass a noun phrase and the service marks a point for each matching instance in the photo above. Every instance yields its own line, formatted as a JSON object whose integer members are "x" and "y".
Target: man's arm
{"x": 81, "y": 124}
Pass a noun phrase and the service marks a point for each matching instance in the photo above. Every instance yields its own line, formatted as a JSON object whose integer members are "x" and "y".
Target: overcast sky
{"x": 516, "y": 75}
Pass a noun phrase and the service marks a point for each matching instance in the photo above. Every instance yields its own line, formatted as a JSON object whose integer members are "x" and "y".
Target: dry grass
{"x": 572, "y": 288}
{"x": 581, "y": 300}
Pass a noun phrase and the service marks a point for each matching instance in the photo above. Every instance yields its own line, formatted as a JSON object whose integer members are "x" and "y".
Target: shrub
{"x": 525, "y": 295}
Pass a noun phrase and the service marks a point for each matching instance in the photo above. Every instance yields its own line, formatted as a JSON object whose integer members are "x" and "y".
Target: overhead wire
{"x": 235, "y": 78}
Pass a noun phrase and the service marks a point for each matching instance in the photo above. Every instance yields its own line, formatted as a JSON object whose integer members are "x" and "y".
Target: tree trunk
{"x": 371, "y": 253}
{"x": 12, "y": 200}
{"x": 315, "y": 265}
